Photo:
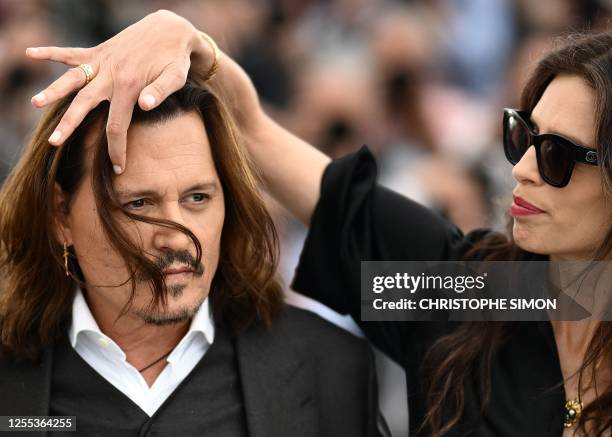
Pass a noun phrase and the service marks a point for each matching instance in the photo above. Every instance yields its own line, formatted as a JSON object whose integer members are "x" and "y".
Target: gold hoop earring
{"x": 66, "y": 255}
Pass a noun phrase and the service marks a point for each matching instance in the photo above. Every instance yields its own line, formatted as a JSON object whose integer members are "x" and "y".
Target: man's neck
{"x": 137, "y": 338}
{"x": 141, "y": 342}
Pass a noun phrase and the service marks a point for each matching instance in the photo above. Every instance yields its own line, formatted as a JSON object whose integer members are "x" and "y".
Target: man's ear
{"x": 61, "y": 206}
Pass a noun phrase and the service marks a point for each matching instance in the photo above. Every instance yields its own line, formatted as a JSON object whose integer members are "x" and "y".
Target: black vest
{"x": 208, "y": 402}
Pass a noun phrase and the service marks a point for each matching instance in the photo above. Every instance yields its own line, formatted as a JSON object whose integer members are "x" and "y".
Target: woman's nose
{"x": 526, "y": 170}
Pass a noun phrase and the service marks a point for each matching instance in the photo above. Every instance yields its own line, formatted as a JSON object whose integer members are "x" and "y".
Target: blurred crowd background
{"x": 422, "y": 83}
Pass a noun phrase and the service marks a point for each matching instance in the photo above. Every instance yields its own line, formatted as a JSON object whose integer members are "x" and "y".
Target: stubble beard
{"x": 157, "y": 317}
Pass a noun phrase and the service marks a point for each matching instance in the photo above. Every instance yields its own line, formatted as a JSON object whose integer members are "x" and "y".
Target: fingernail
{"x": 55, "y": 137}
{"x": 117, "y": 169}
{"x": 149, "y": 100}
{"x": 39, "y": 98}
{"x": 32, "y": 50}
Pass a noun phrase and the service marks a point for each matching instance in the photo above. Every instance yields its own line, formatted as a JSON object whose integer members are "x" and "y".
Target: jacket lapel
{"x": 26, "y": 387}
{"x": 278, "y": 386}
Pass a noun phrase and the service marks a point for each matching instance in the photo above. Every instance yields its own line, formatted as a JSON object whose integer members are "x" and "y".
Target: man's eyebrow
{"x": 201, "y": 186}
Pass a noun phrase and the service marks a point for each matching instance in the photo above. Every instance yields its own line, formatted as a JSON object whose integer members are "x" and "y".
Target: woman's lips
{"x": 520, "y": 207}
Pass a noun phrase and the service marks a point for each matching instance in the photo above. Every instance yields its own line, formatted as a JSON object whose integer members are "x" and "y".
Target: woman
{"x": 515, "y": 379}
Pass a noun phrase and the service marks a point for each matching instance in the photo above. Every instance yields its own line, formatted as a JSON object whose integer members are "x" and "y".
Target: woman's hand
{"x": 150, "y": 60}
{"x": 144, "y": 63}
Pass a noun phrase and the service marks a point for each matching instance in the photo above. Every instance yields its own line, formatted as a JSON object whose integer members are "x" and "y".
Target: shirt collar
{"x": 84, "y": 321}
{"x": 201, "y": 326}
{"x": 202, "y": 322}
{"x": 82, "y": 318}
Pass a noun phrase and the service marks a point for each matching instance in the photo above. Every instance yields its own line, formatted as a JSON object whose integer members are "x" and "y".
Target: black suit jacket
{"x": 303, "y": 378}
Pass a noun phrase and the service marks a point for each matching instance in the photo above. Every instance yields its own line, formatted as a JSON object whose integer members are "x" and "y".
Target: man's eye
{"x": 135, "y": 204}
{"x": 199, "y": 197}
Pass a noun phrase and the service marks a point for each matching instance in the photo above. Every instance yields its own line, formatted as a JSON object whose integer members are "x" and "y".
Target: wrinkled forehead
{"x": 173, "y": 152}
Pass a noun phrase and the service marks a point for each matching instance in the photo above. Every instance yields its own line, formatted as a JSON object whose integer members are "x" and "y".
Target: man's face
{"x": 170, "y": 174}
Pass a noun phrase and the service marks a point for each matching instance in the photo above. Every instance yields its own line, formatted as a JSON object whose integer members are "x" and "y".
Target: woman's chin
{"x": 527, "y": 240}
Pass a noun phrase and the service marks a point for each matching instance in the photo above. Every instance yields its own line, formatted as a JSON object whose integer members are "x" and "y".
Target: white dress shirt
{"x": 107, "y": 358}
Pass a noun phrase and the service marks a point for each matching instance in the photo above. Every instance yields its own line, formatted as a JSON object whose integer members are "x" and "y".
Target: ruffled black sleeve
{"x": 358, "y": 220}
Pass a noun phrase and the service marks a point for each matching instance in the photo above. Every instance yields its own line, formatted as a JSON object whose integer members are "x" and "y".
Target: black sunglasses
{"x": 555, "y": 154}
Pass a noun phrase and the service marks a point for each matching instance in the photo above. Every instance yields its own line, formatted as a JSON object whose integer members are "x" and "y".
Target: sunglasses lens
{"x": 555, "y": 160}
{"x": 516, "y": 138}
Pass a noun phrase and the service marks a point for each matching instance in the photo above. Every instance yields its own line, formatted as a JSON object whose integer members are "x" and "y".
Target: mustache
{"x": 166, "y": 259}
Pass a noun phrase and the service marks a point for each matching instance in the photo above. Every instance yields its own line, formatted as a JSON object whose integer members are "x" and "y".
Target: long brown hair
{"x": 36, "y": 294}
{"x": 470, "y": 347}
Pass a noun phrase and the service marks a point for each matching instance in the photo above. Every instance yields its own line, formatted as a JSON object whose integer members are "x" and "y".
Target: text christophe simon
{"x": 457, "y": 284}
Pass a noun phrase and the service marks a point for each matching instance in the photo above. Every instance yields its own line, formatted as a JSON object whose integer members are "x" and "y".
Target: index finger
{"x": 119, "y": 118}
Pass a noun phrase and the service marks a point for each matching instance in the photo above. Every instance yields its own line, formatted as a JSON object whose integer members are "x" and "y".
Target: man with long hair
{"x": 147, "y": 302}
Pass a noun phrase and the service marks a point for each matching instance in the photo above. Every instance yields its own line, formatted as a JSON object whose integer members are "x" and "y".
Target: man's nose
{"x": 526, "y": 170}
{"x": 171, "y": 238}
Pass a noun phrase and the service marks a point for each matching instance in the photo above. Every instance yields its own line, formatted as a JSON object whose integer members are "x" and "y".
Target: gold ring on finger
{"x": 89, "y": 72}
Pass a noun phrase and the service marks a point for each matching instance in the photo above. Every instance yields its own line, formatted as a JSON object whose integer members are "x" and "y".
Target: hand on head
{"x": 125, "y": 70}
{"x": 147, "y": 62}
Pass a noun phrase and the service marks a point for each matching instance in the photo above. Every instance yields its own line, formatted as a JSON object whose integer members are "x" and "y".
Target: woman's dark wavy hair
{"x": 472, "y": 347}
{"x": 35, "y": 293}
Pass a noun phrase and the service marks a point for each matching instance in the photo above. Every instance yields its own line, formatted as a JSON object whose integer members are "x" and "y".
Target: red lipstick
{"x": 520, "y": 207}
